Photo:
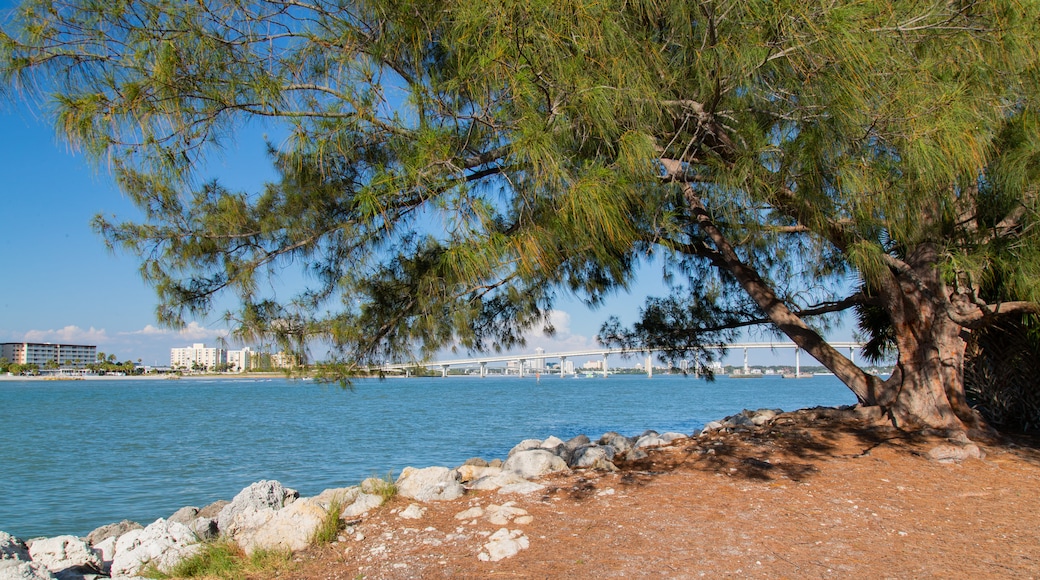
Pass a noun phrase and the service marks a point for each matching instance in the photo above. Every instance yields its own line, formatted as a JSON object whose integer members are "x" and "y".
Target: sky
{"x": 59, "y": 283}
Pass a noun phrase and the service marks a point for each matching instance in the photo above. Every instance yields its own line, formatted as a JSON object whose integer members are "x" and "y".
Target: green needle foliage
{"x": 450, "y": 168}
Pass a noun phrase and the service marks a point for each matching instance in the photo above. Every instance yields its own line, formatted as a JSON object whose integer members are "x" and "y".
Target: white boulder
{"x": 162, "y": 543}
{"x": 16, "y": 569}
{"x": 534, "y": 463}
{"x": 291, "y": 527}
{"x": 503, "y": 544}
{"x": 363, "y": 503}
{"x": 65, "y": 554}
{"x": 429, "y": 484}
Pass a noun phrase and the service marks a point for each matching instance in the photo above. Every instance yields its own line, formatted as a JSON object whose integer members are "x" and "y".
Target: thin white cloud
{"x": 68, "y": 334}
{"x": 563, "y": 340}
{"x": 193, "y": 331}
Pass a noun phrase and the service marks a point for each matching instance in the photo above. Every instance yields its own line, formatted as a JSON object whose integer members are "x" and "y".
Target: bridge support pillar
{"x": 483, "y": 369}
{"x": 563, "y": 366}
{"x": 649, "y": 366}
{"x": 521, "y": 367}
{"x": 852, "y": 354}
{"x": 605, "y": 366}
{"x": 797, "y": 363}
{"x": 444, "y": 371}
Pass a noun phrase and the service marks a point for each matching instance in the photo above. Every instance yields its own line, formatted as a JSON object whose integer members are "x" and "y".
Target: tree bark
{"x": 927, "y": 389}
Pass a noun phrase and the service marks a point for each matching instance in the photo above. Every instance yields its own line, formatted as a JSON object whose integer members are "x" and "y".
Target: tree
{"x": 451, "y": 167}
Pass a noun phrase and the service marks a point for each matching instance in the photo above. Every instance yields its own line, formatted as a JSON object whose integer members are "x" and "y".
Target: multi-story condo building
{"x": 239, "y": 361}
{"x": 197, "y": 355}
{"x": 40, "y": 353}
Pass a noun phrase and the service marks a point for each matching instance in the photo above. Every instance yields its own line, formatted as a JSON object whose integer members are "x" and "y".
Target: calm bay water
{"x": 76, "y": 455}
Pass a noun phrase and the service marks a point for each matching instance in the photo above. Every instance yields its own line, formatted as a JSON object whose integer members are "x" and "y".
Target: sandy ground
{"x": 806, "y": 497}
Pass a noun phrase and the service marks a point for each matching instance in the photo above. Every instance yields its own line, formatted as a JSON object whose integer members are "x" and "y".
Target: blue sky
{"x": 58, "y": 282}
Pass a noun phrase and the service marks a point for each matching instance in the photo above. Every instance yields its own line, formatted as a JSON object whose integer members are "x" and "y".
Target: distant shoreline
{"x": 152, "y": 377}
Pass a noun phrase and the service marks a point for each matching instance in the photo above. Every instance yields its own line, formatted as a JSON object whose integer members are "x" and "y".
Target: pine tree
{"x": 453, "y": 166}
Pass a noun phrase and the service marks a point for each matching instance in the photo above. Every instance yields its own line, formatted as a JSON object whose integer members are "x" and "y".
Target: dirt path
{"x": 806, "y": 497}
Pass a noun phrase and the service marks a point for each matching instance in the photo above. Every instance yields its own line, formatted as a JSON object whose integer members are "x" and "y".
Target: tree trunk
{"x": 927, "y": 388}
{"x": 926, "y": 391}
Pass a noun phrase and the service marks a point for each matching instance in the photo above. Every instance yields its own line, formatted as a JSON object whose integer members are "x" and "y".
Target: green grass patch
{"x": 387, "y": 488}
{"x": 330, "y": 526}
{"x": 224, "y": 560}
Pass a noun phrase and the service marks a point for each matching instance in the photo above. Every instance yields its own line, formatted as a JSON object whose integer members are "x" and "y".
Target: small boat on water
{"x": 796, "y": 375}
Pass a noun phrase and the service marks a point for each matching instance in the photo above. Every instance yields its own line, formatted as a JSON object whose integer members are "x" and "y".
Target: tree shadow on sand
{"x": 795, "y": 446}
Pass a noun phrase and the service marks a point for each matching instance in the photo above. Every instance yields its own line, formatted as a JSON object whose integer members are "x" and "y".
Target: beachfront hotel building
{"x": 197, "y": 355}
{"x": 40, "y": 353}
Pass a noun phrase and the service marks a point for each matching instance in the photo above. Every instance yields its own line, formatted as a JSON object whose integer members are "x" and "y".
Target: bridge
{"x": 522, "y": 359}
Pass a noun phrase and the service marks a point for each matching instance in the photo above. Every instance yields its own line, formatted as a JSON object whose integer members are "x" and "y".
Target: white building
{"x": 197, "y": 355}
{"x": 40, "y": 353}
{"x": 538, "y": 364}
{"x": 240, "y": 361}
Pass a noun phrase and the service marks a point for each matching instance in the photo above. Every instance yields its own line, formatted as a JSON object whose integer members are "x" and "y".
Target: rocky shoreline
{"x": 269, "y": 516}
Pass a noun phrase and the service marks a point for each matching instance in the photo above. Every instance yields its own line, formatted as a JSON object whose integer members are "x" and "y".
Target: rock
{"x": 496, "y": 480}
{"x": 375, "y": 485}
{"x": 66, "y": 555}
{"x": 576, "y": 442}
{"x": 185, "y": 515}
{"x": 205, "y": 528}
{"x": 429, "y": 484}
{"x": 412, "y": 512}
{"x": 522, "y": 487}
{"x": 258, "y": 496}
{"x": 290, "y": 528}
{"x": 712, "y": 426}
{"x": 504, "y": 544}
{"x": 476, "y": 462}
{"x": 954, "y": 453}
{"x": 11, "y": 548}
{"x": 739, "y": 420}
{"x": 763, "y": 416}
{"x": 496, "y": 463}
{"x": 12, "y": 569}
{"x": 363, "y": 503}
{"x": 162, "y": 543}
{"x": 555, "y": 445}
{"x": 593, "y": 457}
{"x": 534, "y": 463}
{"x": 653, "y": 440}
{"x": 344, "y": 495}
{"x": 107, "y": 550}
{"x": 468, "y": 473}
{"x": 470, "y": 514}
{"x": 501, "y": 515}
{"x": 672, "y": 437}
{"x": 525, "y": 445}
{"x": 634, "y": 455}
{"x": 112, "y": 531}
{"x": 213, "y": 510}
{"x": 619, "y": 442}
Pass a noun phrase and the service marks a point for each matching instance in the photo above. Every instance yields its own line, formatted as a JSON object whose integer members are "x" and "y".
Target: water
{"x": 80, "y": 454}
